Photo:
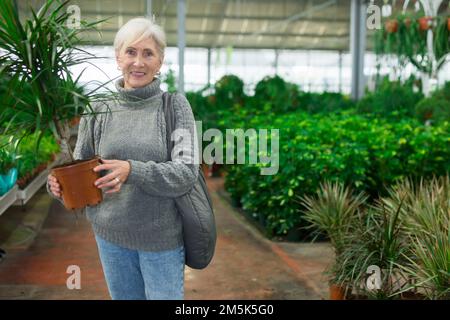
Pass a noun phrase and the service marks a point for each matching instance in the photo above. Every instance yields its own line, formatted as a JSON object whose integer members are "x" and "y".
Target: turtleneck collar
{"x": 138, "y": 94}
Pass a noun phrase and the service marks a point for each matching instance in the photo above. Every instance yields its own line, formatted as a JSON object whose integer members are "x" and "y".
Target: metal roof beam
{"x": 220, "y": 17}
{"x": 237, "y": 33}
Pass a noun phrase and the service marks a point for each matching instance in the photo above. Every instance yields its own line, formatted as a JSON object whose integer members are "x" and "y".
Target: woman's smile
{"x": 137, "y": 74}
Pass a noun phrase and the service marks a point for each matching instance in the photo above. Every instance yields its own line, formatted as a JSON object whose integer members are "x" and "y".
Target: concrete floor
{"x": 43, "y": 241}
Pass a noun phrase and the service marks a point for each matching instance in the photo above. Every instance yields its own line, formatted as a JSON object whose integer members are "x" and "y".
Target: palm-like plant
{"x": 428, "y": 228}
{"x": 36, "y": 56}
{"x": 375, "y": 239}
{"x": 333, "y": 212}
{"x": 406, "y": 235}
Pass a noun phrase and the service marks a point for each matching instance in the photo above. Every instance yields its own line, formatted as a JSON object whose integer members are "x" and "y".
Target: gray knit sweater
{"x": 142, "y": 215}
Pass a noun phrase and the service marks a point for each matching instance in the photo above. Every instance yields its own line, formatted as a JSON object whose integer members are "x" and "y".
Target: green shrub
{"x": 443, "y": 92}
{"x": 435, "y": 108}
{"x": 229, "y": 91}
{"x": 324, "y": 102}
{"x": 276, "y": 95}
{"x": 390, "y": 99}
{"x": 364, "y": 153}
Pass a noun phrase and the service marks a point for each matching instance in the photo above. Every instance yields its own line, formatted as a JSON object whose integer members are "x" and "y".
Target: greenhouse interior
{"x": 291, "y": 149}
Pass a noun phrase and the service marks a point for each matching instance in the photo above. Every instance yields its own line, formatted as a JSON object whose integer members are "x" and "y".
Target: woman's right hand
{"x": 55, "y": 187}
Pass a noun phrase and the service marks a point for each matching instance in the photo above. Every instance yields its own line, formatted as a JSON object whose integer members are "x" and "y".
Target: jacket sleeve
{"x": 176, "y": 177}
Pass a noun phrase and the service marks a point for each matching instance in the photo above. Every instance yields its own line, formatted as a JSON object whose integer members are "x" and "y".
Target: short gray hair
{"x": 138, "y": 29}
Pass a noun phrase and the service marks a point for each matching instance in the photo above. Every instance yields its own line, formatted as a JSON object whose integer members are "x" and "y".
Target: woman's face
{"x": 139, "y": 63}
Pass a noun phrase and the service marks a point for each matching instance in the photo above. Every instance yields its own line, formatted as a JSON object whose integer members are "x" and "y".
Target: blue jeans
{"x": 140, "y": 275}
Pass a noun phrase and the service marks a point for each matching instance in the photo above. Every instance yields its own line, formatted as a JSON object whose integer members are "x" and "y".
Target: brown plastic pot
{"x": 337, "y": 292}
{"x": 448, "y": 24}
{"x": 77, "y": 183}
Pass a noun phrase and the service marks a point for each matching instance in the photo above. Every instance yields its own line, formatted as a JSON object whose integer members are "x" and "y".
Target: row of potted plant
{"x": 32, "y": 161}
{"x": 20, "y": 164}
{"x": 395, "y": 248}
{"x": 406, "y": 38}
{"x": 425, "y": 23}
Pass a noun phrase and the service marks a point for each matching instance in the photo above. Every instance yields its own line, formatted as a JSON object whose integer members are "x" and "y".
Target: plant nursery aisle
{"x": 245, "y": 266}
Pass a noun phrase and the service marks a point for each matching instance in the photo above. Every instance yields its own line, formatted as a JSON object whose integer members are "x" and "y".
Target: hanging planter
{"x": 425, "y": 23}
{"x": 391, "y": 26}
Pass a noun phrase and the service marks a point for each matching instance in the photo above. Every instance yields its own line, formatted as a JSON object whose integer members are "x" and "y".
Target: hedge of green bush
{"x": 365, "y": 153}
{"x": 368, "y": 146}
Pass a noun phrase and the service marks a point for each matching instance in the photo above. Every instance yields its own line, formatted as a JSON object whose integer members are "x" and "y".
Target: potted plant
{"x": 391, "y": 26}
{"x": 375, "y": 241}
{"x": 404, "y": 235}
{"x": 441, "y": 43}
{"x": 36, "y": 56}
{"x": 425, "y": 23}
{"x": 332, "y": 212}
{"x": 428, "y": 229}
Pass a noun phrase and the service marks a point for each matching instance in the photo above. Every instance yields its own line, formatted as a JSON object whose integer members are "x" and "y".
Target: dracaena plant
{"x": 375, "y": 239}
{"x": 36, "y": 55}
{"x": 333, "y": 212}
{"x": 428, "y": 229}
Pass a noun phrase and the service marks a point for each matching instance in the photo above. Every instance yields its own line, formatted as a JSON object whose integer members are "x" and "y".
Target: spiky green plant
{"x": 36, "y": 55}
{"x": 428, "y": 228}
{"x": 376, "y": 238}
{"x": 333, "y": 212}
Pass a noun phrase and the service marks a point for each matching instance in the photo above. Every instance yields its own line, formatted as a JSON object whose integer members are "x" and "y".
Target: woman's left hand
{"x": 118, "y": 175}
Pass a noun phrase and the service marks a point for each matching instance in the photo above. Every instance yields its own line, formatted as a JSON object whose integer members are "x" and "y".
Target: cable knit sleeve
{"x": 176, "y": 177}
{"x": 88, "y": 135}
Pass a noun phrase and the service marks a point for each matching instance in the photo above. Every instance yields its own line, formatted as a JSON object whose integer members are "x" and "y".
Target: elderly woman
{"x": 137, "y": 227}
